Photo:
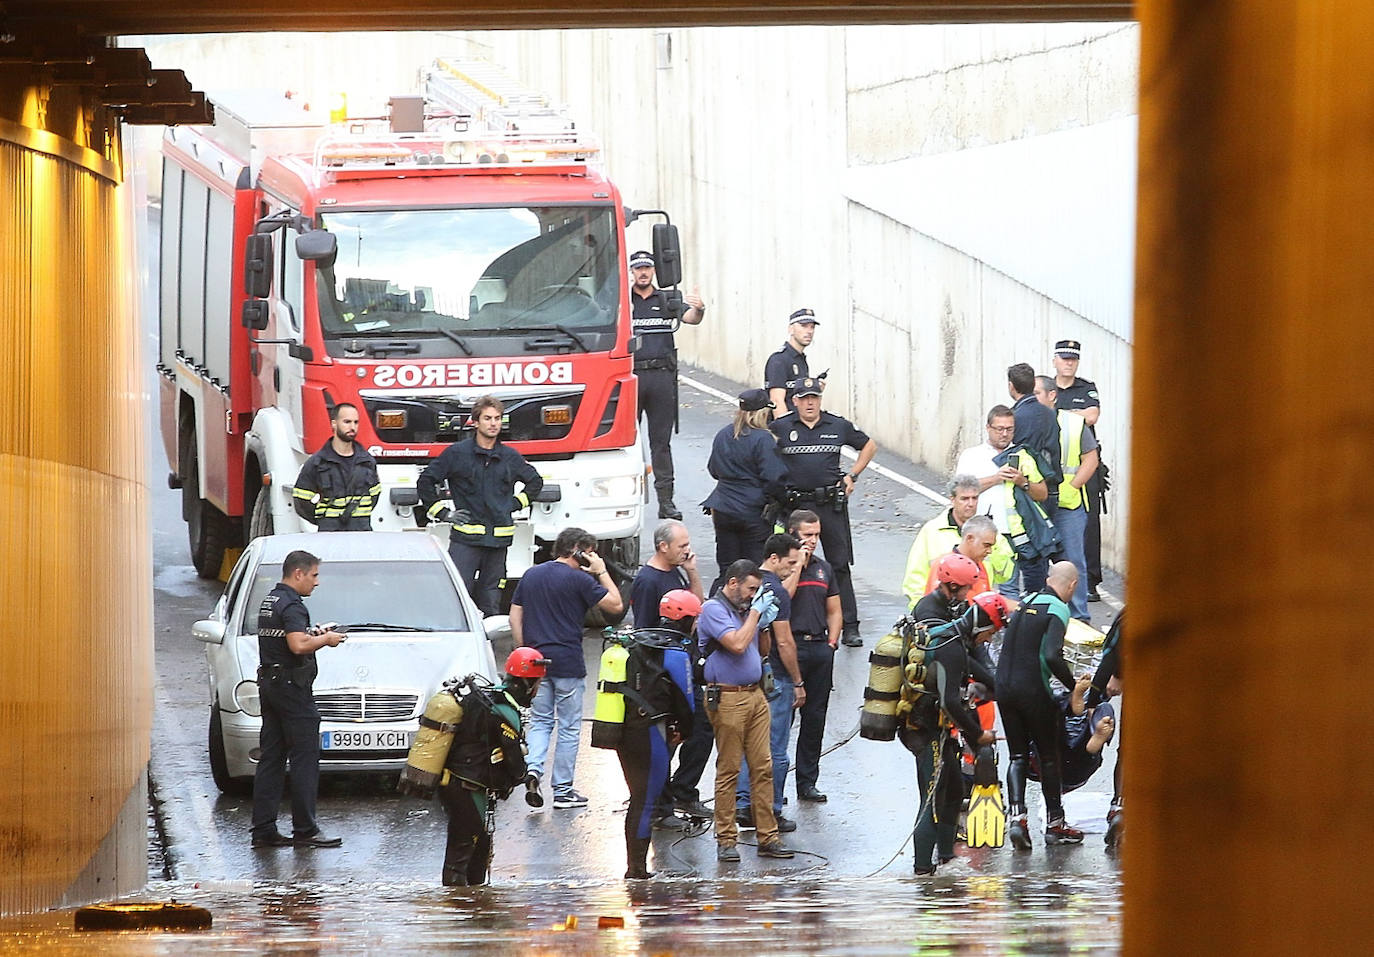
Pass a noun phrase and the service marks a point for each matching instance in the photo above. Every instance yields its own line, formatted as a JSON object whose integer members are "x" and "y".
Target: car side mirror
{"x": 209, "y": 631}
{"x": 497, "y": 627}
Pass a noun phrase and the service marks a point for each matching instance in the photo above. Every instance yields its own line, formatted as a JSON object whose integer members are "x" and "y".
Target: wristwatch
{"x": 799, "y": 684}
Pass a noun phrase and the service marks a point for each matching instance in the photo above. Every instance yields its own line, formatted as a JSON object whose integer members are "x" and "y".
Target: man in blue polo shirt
{"x": 730, "y": 641}
{"x": 546, "y": 613}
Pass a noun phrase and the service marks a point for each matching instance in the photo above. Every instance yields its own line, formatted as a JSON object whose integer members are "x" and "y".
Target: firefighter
{"x": 654, "y": 321}
{"x": 810, "y": 443}
{"x": 485, "y": 763}
{"x": 482, "y": 473}
{"x": 337, "y": 487}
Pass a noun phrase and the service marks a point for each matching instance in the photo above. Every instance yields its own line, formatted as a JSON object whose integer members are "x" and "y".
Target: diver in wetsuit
{"x": 1032, "y": 653}
{"x": 949, "y": 663}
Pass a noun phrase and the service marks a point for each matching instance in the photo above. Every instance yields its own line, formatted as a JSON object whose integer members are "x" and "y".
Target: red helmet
{"x": 955, "y": 569}
{"x": 526, "y": 663}
{"x": 678, "y": 604}
{"x": 994, "y": 606}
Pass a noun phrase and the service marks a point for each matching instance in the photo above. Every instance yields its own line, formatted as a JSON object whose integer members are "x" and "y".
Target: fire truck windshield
{"x": 473, "y": 281}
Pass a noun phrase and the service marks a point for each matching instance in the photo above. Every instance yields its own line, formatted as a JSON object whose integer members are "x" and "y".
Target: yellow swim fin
{"x": 986, "y": 824}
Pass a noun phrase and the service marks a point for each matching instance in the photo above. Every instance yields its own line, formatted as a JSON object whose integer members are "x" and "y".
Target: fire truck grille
{"x": 408, "y": 421}
{"x": 366, "y": 706}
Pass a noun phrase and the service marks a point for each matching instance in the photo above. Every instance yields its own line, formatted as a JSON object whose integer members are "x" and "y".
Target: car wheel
{"x": 219, "y": 763}
{"x": 208, "y": 530}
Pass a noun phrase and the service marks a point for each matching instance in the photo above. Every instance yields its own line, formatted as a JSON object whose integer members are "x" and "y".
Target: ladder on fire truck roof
{"x": 482, "y": 95}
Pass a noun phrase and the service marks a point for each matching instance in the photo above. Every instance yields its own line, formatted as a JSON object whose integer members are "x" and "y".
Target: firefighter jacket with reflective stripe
{"x": 337, "y": 492}
{"x": 481, "y": 482}
{"x": 1071, "y": 426}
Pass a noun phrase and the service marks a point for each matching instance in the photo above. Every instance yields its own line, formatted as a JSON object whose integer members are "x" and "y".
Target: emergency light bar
{"x": 426, "y": 150}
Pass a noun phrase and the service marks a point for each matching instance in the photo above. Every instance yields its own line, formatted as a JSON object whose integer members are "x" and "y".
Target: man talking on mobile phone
{"x": 547, "y": 614}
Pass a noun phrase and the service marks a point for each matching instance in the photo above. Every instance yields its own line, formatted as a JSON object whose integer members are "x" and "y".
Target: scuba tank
{"x": 425, "y": 763}
{"x": 608, "y": 721}
{"x": 878, "y": 722}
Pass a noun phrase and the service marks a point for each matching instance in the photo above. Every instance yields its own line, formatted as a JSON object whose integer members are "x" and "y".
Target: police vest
{"x": 1071, "y": 427}
{"x": 488, "y": 750}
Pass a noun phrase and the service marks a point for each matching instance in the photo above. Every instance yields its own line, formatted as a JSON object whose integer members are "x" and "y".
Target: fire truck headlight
{"x": 616, "y": 487}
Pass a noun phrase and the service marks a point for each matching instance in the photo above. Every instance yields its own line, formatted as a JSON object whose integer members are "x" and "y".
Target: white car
{"x": 411, "y": 626}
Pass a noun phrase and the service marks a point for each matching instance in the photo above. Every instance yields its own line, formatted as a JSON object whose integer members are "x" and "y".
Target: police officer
{"x": 654, "y": 320}
{"x": 786, "y": 367}
{"x": 482, "y": 473}
{"x": 1075, "y": 394}
{"x": 485, "y": 763}
{"x": 337, "y": 488}
{"x": 810, "y": 443}
{"x": 749, "y": 474}
{"x": 290, "y": 720}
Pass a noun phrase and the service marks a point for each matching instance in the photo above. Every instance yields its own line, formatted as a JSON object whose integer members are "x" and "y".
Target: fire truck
{"x": 471, "y": 246}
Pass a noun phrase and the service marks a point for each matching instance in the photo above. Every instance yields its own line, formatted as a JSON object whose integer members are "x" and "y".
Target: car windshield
{"x": 457, "y": 279}
{"x": 419, "y": 595}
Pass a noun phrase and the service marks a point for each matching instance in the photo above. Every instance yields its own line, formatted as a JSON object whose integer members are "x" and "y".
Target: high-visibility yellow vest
{"x": 1071, "y": 426}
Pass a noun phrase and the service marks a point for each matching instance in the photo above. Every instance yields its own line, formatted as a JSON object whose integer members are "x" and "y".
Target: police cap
{"x": 804, "y": 315}
{"x": 752, "y": 400}
{"x": 1068, "y": 348}
{"x": 809, "y": 387}
{"x": 641, "y": 257}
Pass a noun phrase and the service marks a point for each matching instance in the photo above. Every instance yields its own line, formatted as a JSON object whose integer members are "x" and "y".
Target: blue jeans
{"x": 557, "y": 699}
{"x": 779, "y": 730}
{"x": 1072, "y": 523}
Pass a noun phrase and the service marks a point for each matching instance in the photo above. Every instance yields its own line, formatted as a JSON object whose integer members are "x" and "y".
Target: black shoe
{"x": 776, "y": 849}
{"x": 727, "y": 853}
{"x": 275, "y": 839}
{"x": 811, "y": 794}
{"x": 455, "y": 878}
{"x": 532, "y": 796}
{"x": 786, "y": 825}
{"x": 318, "y": 839}
{"x": 744, "y": 816}
{"x": 695, "y": 810}
{"x": 851, "y": 639}
{"x": 638, "y": 874}
{"x": 670, "y": 822}
{"x": 1093, "y": 595}
{"x": 924, "y": 870}
{"x": 666, "y": 509}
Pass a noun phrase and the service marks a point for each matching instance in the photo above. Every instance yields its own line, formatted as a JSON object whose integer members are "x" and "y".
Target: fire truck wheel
{"x": 208, "y": 530}
{"x": 260, "y": 523}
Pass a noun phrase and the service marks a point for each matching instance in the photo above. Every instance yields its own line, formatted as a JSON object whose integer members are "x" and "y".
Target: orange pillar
{"x": 1249, "y": 785}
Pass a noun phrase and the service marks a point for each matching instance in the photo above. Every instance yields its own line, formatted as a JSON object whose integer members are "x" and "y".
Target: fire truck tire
{"x": 261, "y": 523}
{"x": 208, "y": 530}
{"x": 219, "y": 763}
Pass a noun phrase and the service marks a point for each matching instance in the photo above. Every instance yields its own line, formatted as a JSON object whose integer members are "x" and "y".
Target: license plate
{"x": 365, "y": 740}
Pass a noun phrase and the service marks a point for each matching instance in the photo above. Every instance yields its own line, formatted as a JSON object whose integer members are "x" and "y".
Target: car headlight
{"x": 618, "y": 486}
{"x": 246, "y": 698}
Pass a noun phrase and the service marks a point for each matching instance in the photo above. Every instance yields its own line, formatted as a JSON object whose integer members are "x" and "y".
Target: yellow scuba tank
{"x": 425, "y": 763}
{"x": 879, "y": 719}
{"x": 608, "y": 721}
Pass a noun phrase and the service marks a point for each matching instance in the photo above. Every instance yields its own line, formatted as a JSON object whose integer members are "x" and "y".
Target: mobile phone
{"x": 582, "y": 558}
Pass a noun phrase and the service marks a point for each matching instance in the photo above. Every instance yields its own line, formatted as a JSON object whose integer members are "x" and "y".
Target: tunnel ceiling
{"x": 115, "y": 17}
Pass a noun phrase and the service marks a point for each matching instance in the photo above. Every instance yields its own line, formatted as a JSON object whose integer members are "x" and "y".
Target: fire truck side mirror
{"x": 667, "y": 255}
{"x": 254, "y": 314}
{"x": 257, "y": 266}
{"x": 319, "y": 246}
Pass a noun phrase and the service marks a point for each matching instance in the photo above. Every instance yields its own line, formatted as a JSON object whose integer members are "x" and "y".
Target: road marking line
{"x": 848, "y": 453}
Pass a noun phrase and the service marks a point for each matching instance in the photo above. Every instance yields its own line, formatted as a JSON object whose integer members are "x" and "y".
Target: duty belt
{"x": 275, "y": 674}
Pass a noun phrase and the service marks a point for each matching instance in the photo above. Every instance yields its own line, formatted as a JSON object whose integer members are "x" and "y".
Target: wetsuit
{"x": 949, "y": 665}
{"x": 488, "y": 725}
{"x": 1032, "y": 653}
{"x": 658, "y": 711}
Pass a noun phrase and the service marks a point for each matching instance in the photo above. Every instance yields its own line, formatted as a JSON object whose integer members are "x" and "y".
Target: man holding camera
{"x": 546, "y": 614}
{"x": 810, "y": 444}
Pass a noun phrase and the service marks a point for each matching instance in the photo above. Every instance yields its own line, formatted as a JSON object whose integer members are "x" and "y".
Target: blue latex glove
{"x": 766, "y": 604}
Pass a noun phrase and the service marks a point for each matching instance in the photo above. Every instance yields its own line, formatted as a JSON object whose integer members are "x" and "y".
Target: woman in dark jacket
{"x": 749, "y": 473}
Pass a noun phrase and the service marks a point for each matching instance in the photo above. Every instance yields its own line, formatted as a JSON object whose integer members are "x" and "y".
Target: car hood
{"x": 391, "y": 661}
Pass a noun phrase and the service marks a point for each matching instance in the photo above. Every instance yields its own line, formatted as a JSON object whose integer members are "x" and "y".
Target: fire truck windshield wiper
{"x": 449, "y": 333}
{"x": 554, "y": 327}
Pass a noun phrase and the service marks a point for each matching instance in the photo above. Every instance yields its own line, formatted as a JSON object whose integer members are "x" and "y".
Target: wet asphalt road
{"x": 849, "y": 888}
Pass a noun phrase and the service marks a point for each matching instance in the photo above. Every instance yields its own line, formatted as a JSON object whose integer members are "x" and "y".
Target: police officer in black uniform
{"x": 290, "y": 720}
{"x": 654, "y": 320}
{"x": 1079, "y": 395}
{"x": 482, "y": 473}
{"x": 337, "y": 487}
{"x": 810, "y": 443}
{"x": 786, "y": 367}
